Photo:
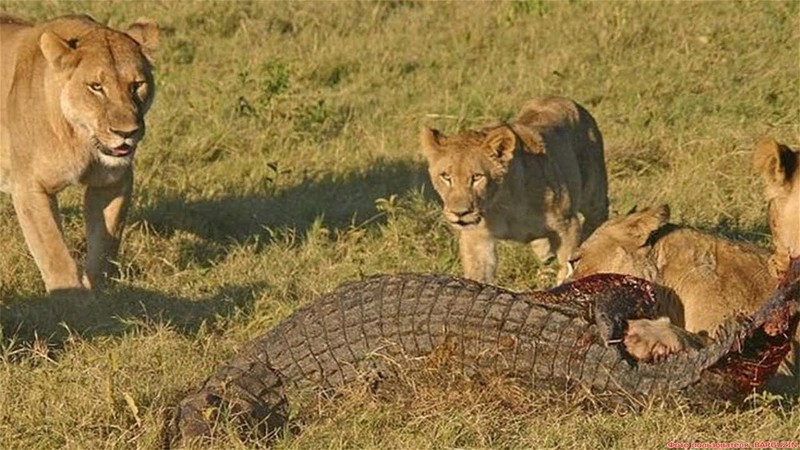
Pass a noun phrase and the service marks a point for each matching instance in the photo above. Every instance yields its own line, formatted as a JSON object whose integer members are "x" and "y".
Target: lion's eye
{"x": 572, "y": 266}
{"x": 446, "y": 178}
{"x": 96, "y": 87}
{"x": 136, "y": 85}
{"x": 477, "y": 178}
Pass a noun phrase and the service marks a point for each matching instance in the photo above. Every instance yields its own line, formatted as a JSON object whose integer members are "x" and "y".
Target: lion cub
{"x": 539, "y": 180}
{"x": 701, "y": 279}
{"x": 73, "y": 95}
{"x": 779, "y": 167}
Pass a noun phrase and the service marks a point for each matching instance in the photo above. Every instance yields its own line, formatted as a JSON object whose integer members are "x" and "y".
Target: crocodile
{"x": 567, "y": 336}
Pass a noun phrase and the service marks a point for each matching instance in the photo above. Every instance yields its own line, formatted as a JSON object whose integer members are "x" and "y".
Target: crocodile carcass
{"x": 570, "y": 335}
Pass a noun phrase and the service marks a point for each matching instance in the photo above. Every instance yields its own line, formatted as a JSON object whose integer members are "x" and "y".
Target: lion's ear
{"x": 431, "y": 140}
{"x": 532, "y": 140}
{"x": 56, "y": 51}
{"x": 147, "y": 34}
{"x": 776, "y": 162}
{"x": 501, "y": 144}
{"x": 648, "y": 220}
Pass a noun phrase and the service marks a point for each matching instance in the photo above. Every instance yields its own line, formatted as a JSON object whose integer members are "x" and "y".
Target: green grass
{"x": 282, "y": 160}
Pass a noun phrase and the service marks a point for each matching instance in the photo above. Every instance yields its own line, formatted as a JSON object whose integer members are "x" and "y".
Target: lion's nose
{"x": 460, "y": 212}
{"x": 126, "y": 133}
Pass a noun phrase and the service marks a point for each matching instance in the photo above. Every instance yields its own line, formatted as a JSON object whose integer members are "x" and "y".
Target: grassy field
{"x": 282, "y": 160}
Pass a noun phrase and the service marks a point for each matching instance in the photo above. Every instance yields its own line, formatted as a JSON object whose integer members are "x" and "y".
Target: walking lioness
{"x": 73, "y": 95}
{"x": 528, "y": 181}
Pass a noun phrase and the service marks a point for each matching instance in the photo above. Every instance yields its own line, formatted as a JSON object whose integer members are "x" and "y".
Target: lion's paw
{"x": 652, "y": 340}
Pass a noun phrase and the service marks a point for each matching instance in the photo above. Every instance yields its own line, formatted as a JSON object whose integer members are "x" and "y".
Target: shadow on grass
{"x": 759, "y": 234}
{"x": 56, "y": 316}
{"x": 341, "y": 200}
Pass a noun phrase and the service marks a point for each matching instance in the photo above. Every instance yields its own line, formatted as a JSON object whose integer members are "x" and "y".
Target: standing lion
{"x": 73, "y": 95}
{"x": 540, "y": 180}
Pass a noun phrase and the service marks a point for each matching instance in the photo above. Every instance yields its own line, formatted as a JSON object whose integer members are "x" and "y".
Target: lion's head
{"x": 621, "y": 245}
{"x": 103, "y": 81}
{"x": 467, "y": 170}
{"x": 779, "y": 166}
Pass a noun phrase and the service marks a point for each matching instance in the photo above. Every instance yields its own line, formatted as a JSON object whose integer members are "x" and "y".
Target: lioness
{"x": 529, "y": 181}
{"x": 73, "y": 95}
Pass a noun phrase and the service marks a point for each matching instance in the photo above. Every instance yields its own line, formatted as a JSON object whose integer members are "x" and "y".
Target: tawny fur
{"x": 779, "y": 166}
{"x": 540, "y": 180}
{"x": 73, "y": 95}
{"x": 702, "y": 279}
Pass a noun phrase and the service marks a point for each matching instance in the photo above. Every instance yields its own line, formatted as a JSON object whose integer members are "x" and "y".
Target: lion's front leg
{"x": 542, "y": 248}
{"x": 478, "y": 254}
{"x": 566, "y": 241}
{"x": 105, "y": 209}
{"x": 40, "y": 220}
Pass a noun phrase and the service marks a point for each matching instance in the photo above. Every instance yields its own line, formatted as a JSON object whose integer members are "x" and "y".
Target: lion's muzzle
{"x": 462, "y": 219}
{"x": 121, "y": 143}
{"x": 118, "y": 152}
